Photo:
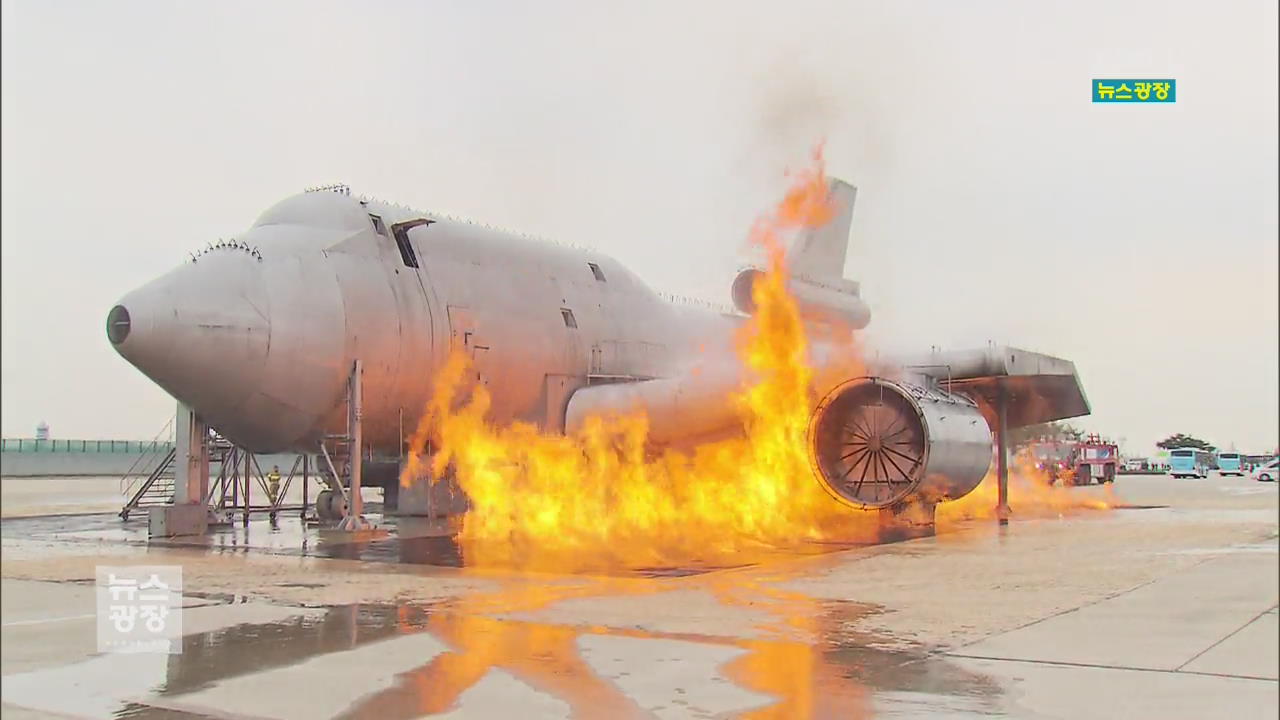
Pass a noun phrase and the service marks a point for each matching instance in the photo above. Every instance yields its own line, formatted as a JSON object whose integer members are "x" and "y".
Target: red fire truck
{"x": 1052, "y": 456}
{"x": 1090, "y": 460}
{"x": 1096, "y": 461}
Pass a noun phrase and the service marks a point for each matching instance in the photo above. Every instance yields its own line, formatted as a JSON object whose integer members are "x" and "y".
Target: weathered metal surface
{"x": 261, "y": 339}
{"x": 191, "y": 471}
{"x": 816, "y": 302}
{"x": 876, "y": 443}
{"x": 693, "y": 404}
{"x": 1039, "y": 387}
{"x": 697, "y": 402}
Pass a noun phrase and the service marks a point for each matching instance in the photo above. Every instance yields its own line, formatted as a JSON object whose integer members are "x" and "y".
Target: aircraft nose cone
{"x": 118, "y": 324}
{"x": 201, "y": 331}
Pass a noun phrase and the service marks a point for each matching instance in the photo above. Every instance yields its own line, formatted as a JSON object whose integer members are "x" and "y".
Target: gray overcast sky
{"x": 996, "y": 201}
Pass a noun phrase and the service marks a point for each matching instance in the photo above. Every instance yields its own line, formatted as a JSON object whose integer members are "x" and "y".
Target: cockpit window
{"x": 378, "y": 225}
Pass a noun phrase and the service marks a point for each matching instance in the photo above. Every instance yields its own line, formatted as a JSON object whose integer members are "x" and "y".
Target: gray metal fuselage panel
{"x": 524, "y": 310}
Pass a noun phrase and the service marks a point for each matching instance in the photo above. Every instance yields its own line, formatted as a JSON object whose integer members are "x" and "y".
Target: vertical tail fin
{"x": 819, "y": 254}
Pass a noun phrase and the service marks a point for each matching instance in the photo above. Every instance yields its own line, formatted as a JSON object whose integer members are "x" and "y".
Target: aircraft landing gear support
{"x": 350, "y": 506}
{"x": 1002, "y": 456}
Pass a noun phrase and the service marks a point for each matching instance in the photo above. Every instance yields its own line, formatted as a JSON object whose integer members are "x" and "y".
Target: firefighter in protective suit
{"x": 273, "y": 484}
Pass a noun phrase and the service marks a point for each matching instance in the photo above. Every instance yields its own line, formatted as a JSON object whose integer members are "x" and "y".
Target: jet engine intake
{"x": 876, "y": 443}
{"x": 821, "y": 303}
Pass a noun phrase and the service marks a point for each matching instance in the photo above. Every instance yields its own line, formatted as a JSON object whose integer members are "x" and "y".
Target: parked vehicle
{"x": 1053, "y": 458}
{"x": 1190, "y": 463}
{"x": 1091, "y": 460}
{"x": 1096, "y": 461}
{"x": 1230, "y": 463}
{"x": 1268, "y": 472}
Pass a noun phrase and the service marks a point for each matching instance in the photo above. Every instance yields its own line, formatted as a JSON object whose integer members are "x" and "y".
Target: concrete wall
{"x": 46, "y": 464}
{"x": 39, "y": 464}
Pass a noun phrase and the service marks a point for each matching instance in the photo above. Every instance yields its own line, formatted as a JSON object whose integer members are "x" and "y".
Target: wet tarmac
{"x": 400, "y": 540}
{"x": 1165, "y": 611}
{"x": 567, "y": 663}
{"x": 427, "y": 657}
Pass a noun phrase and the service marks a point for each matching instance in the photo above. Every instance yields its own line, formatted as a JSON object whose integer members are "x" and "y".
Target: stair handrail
{"x": 151, "y": 479}
{"x": 126, "y": 489}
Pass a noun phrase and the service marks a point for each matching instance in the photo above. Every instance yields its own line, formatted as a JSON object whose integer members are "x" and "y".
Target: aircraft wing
{"x": 1038, "y": 388}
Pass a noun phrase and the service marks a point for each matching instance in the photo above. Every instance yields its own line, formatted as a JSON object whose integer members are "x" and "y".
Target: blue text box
{"x": 1140, "y": 90}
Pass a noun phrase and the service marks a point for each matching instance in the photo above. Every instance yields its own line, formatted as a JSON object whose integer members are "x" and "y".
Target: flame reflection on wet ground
{"x": 808, "y": 664}
{"x": 793, "y": 655}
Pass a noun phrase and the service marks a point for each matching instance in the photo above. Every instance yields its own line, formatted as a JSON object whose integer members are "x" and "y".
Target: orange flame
{"x": 597, "y": 498}
{"x": 1031, "y": 494}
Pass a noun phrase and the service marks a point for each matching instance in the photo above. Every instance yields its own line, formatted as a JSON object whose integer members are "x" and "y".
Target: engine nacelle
{"x": 817, "y": 302}
{"x": 875, "y": 443}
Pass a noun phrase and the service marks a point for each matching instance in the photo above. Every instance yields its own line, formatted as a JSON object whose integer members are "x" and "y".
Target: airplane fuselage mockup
{"x": 259, "y": 335}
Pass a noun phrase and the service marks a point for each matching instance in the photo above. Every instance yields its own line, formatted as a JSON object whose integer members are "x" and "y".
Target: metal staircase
{"x": 219, "y": 448}
{"x": 158, "y": 487}
{"x": 230, "y": 491}
{"x": 156, "y": 490}
{"x": 157, "y": 484}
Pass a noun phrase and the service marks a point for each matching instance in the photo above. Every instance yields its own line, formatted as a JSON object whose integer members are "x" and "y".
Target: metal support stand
{"x": 196, "y": 502}
{"x": 355, "y": 417}
{"x": 234, "y": 478}
{"x": 188, "y": 515}
{"x": 248, "y": 470}
{"x": 306, "y": 476}
{"x": 192, "y": 476}
{"x": 1002, "y": 456}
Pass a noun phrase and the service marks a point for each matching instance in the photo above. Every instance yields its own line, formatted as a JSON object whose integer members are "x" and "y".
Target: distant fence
{"x": 101, "y": 458}
{"x": 28, "y": 457}
{"x": 125, "y": 447}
